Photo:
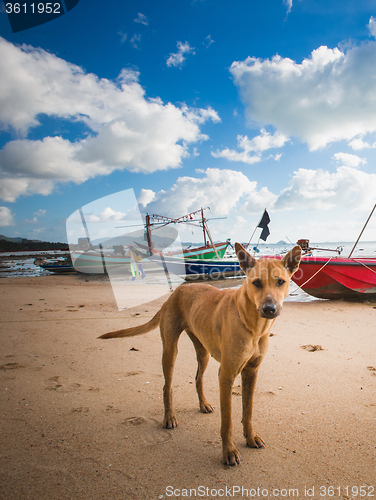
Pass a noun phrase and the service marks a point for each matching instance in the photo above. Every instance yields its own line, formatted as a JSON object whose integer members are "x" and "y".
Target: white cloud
{"x": 142, "y": 19}
{"x": 252, "y": 148}
{"x": 313, "y": 196}
{"x": 258, "y": 200}
{"x": 276, "y": 157}
{"x": 208, "y": 41}
{"x": 177, "y": 59}
{"x": 329, "y": 97}
{"x": 264, "y": 141}
{"x": 288, "y": 4}
{"x": 242, "y": 156}
{"x": 222, "y": 190}
{"x": 6, "y": 217}
{"x": 231, "y": 192}
{"x": 12, "y": 188}
{"x": 197, "y": 115}
{"x": 135, "y": 41}
{"x": 123, "y": 36}
{"x": 372, "y": 26}
{"x": 34, "y": 167}
{"x": 349, "y": 160}
{"x": 51, "y": 158}
{"x": 146, "y": 196}
{"x": 40, "y": 213}
{"x": 108, "y": 214}
{"x": 127, "y": 130}
{"x": 321, "y": 190}
{"x": 358, "y": 144}
{"x": 239, "y": 220}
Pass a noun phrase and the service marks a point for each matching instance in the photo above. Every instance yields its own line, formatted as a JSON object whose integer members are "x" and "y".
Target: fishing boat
{"x": 95, "y": 262}
{"x": 337, "y": 277}
{"x": 60, "y": 266}
{"x": 201, "y": 269}
{"x": 204, "y": 252}
{"x": 114, "y": 253}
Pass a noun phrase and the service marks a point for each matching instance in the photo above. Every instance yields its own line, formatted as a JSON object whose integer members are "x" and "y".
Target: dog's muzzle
{"x": 269, "y": 310}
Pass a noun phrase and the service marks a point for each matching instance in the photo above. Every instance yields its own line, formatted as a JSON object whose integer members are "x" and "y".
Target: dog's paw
{"x": 206, "y": 408}
{"x": 170, "y": 422}
{"x": 255, "y": 441}
{"x": 231, "y": 457}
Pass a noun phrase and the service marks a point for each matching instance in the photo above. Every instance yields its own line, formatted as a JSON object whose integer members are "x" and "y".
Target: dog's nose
{"x": 269, "y": 309}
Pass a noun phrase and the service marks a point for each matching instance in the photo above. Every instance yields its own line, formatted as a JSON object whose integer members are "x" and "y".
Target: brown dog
{"x": 233, "y": 326}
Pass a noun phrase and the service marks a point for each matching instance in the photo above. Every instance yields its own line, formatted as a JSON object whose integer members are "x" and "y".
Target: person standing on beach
{"x": 135, "y": 263}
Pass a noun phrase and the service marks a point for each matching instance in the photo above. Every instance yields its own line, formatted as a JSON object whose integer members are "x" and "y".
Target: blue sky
{"x": 239, "y": 106}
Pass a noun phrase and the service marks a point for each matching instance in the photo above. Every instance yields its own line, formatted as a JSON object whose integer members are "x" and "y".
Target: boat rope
{"x": 309, "y": 279}
{"x": 360, "y": 262}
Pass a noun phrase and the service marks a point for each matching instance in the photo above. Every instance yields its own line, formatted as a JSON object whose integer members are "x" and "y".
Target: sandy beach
{"x": 81, "y": 417}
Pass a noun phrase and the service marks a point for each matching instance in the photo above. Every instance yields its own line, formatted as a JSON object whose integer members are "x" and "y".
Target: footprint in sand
{"x": 150, "y": 430}
{"x": 312, "y": 348}
{"x": 130, "y": 374}
{"x": 56, "y": 384}
{"x": 53, "y": 383}
{"x": 112, "y": 409}
{"x": 81, "y": 409}
{"x": 135, "y": 421}
{"x": 12, "y": 366}
{"x": 122, "y": 375}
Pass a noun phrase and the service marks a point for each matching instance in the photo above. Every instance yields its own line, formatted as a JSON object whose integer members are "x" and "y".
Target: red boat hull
{"x": 338, "y": 278}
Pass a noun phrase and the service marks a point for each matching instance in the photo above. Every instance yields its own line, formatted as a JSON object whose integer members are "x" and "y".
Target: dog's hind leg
{"x": 203, "y": 357}
{"x": 170, "y": 337}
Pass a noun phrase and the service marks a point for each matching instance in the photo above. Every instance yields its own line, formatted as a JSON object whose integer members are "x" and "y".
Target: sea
{"x": 21, "y": 264}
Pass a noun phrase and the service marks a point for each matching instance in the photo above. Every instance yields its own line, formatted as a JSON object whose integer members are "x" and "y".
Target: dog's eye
{"x": 281, "y": 282}
{"x": 257, "y": 283}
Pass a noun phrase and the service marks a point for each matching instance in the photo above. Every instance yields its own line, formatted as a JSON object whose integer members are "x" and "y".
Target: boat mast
{"x": 370, "y": 215}
{"x": 85, "y": 227}
{"x": 206, "y": 228}
{"x": 203, "y": 226}
{"x": 148, "y": 233}
{"x": 163, "y": 220}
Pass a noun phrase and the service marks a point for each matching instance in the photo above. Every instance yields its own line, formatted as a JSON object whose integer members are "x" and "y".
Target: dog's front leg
{"x": 249, "y": 377}
{"x": 230, "y": 453}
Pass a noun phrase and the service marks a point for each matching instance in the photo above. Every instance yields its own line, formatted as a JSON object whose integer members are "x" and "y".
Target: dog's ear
{"x": 246, "y": 260}
{"x": 291, "y": 260}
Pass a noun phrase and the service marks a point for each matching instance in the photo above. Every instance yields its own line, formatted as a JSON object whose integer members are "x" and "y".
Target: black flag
{"x": 264, "y": 226}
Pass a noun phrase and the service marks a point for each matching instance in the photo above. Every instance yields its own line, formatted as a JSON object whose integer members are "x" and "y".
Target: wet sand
{"x": 81, "y": 417}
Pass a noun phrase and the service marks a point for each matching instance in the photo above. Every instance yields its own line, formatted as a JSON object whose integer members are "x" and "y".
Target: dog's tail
{"x": 136, "y": 330}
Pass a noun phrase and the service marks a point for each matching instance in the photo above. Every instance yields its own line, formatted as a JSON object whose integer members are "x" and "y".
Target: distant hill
{"x": 6, "y": 238}
{"x": 22, "y": 244}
